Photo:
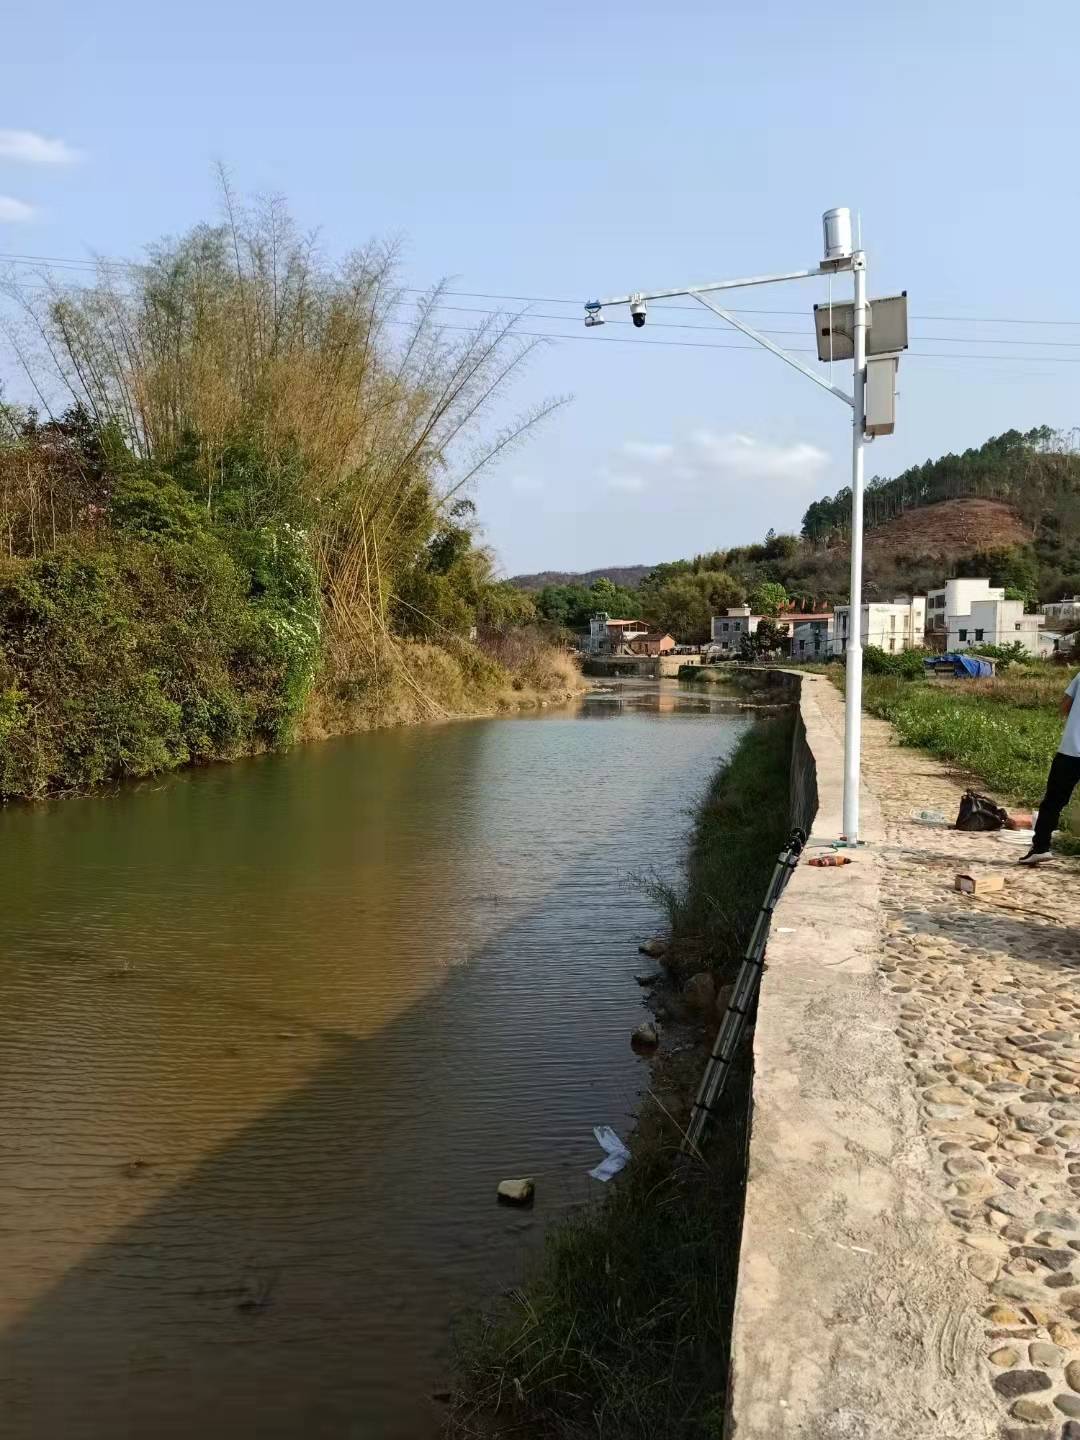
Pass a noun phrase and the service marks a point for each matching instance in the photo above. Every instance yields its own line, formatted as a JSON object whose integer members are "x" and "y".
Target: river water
{"x": 270, "y": 1035}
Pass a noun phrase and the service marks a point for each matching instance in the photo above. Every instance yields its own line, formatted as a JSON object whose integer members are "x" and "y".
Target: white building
{"x": 1062, "y": 612}
{"x": 957, "y": 598}
{"x": 812, "y": 639}
{"x": 891, "y": 625}
{"x": 998, "y": 622}
{"x": 729, "y": 630}
{"x": 971, "y": 611}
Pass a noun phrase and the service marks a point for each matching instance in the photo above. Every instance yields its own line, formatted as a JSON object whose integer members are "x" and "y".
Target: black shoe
{"x": 1035, "y": 857}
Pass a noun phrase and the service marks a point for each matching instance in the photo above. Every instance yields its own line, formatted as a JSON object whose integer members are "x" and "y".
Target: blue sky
{"x": 564, "y": 151}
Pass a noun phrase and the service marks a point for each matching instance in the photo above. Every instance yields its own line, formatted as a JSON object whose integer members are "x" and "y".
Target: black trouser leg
{"x": 1060, "y": 784}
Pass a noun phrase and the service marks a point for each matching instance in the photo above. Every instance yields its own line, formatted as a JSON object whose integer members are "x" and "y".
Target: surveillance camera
{"x": 637, "y": 310}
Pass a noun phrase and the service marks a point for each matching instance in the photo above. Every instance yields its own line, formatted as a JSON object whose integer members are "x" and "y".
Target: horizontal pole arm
{"x": 696, "y": 290}
{"x": 776, "y": 350}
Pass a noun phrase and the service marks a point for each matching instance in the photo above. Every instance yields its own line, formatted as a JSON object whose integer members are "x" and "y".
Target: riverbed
{"x": 270, "y": 1035}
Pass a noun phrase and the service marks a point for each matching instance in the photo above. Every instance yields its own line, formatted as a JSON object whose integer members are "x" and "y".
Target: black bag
{"x": 977, "y": 812}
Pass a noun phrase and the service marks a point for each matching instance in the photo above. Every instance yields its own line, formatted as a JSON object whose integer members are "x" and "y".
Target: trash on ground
{"x": 929, "y": 817}
{"x": 1020, "y": 821}
{"x": 617, "y": 1153}
{"x": 979, "y": 882}
{"x": 1020, "y": 838}
{"x": 823, "y": 860}
{"x": 516, "y": 1192}
{"x": 979, "y": 812}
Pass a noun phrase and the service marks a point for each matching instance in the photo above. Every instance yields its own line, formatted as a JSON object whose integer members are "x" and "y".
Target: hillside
{"x": 627, "y": 577}
{"x": 948, "y": 530}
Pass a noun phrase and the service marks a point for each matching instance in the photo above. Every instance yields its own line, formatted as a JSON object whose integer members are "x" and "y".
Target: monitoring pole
{"x": 839, "y": 257}
{"x": 853, "y": 687}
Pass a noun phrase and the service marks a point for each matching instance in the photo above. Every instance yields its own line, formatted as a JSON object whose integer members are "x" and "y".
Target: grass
{"x": 740, "y": 826}
{"x": 622, "y": 1329}
{"x": 1005, "y": 731}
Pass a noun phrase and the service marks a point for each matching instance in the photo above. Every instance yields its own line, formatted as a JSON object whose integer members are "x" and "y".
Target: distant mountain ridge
{"x": 627, "y": 577}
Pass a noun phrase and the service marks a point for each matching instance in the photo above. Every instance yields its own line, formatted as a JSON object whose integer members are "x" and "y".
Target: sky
{"x": 562, "y": 151}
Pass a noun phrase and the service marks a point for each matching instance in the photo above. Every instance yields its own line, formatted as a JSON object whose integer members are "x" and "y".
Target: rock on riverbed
{"x": 516, "y": 1192}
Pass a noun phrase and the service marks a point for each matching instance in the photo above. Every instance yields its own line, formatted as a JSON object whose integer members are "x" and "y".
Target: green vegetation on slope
{"x": 247, "y": 519}
{"x": 621, "y": 1331}
{"x": 1005, "y": 730}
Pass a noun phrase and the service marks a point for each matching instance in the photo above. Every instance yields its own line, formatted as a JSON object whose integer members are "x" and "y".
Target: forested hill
{"x": 1009, "y": 510}
{"x": 626, "y": 577}
{"x": 1037, "y": 473}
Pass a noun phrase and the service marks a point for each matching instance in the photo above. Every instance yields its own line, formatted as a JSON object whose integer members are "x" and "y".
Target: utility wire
{"x": 110, "y": 264}
{"x": 558, "y": 335}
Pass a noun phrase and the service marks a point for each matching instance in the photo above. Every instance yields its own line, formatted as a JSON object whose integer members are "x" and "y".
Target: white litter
{"x": 1021, "y": 839}
{"x": 617, "y": 1153}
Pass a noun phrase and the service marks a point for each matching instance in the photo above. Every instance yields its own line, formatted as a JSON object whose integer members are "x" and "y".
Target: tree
{"x": 686, "y": 603}
{"x": 768, "y": 598}
{"x": 768, "y": 637}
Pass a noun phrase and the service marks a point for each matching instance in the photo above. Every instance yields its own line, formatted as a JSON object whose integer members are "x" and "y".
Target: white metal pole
{"x": 853, "y": 711}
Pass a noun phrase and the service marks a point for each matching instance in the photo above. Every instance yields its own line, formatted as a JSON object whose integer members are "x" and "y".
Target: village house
{"x": 811, "y": 637}
{"x": 892, "y": 625}
{"x": 1062, "y": 612}
{"x": 658, "y": 643}
{"x": 613, "y": 637}
{"x": 728, "y": 631}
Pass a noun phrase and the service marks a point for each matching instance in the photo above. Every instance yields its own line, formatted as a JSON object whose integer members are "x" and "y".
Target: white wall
{"x": 890, "y": 625}
{"x": 995, "y": 622}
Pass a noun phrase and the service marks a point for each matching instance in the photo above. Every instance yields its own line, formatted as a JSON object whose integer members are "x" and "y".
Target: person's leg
{"x": 1060, "y": 784}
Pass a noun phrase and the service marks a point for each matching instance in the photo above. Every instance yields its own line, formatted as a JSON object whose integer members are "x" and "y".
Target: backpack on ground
{"x": 978, "y": 812}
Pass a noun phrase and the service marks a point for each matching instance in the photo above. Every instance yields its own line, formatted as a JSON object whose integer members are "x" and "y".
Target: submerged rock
{"x": 516, "y": 1192}
{"x": 645, "y": 1036}
{"x": 654, "y": 948}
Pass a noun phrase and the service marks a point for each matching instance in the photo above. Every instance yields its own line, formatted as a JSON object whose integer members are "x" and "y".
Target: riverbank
{"x": 249, "y": 524}
{"x": 622, "y": 1328}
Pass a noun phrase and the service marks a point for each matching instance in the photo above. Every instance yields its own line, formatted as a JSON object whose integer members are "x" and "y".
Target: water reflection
{"x": 270, "y": 1035}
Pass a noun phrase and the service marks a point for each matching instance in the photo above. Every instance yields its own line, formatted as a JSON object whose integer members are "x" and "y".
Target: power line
{"x": 558, "y": 335}
{"x": 73, "y": 262}
{"x": 713, "y": 329}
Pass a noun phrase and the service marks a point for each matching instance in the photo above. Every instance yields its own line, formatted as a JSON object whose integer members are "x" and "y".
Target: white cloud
{"x": 32, "y": 149}
{"x": 648, "y": 450}
{"x": 708, "y": 462}
{"x": 14, "y": 211}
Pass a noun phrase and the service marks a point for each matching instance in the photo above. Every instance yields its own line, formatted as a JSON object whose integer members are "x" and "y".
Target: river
{"x": 272, "y": 1032}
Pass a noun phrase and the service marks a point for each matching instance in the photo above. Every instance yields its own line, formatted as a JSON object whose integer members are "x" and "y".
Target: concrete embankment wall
{"x": 848, "y": 1276}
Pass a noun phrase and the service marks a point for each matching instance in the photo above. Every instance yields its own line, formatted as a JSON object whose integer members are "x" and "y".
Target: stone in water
{"x": 516, "y": 1192}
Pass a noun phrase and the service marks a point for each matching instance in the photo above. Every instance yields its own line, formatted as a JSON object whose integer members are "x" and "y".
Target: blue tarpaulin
{"x": 962, "y": 666}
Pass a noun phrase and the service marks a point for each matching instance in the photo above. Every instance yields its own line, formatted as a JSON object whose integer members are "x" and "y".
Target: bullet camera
{"x": 637, "y": 310}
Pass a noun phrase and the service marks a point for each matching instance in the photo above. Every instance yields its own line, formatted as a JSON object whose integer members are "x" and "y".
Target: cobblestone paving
{"x": 988, "y": 991}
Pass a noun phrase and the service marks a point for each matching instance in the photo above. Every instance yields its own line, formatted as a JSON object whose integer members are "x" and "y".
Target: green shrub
{"x": 1005, "y": 655}
{"x": 152, "y": 649}
{"x": 906, "y": 664}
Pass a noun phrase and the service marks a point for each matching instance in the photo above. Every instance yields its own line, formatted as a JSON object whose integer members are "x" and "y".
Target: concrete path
{"x": 986, "y": 997}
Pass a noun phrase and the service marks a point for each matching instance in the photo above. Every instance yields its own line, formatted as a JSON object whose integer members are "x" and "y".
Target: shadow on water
{"x": 249, "y": 1170}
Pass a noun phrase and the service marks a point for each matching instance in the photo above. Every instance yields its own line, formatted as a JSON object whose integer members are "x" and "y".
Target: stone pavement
{"x": 987, "y": 995}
